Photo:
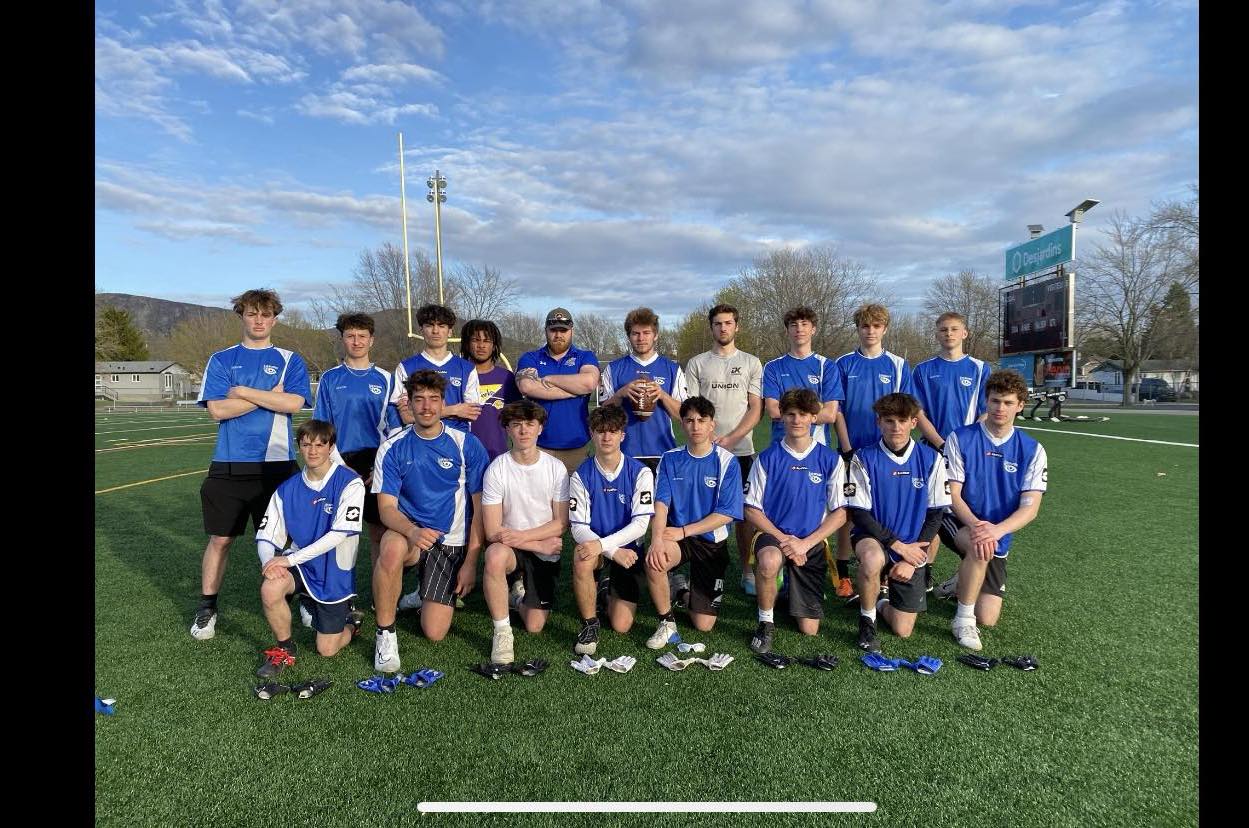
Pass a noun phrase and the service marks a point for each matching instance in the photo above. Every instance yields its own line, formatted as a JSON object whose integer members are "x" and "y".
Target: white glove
{"x": 673, "y": 663}
{"x": 691, "y": 648}
{"x": 622, "y": 664}
{"x": 717, "y": 662}
{"x": 588, "y": 665}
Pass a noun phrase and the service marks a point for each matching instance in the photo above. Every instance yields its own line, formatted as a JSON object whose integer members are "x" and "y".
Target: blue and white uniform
{"x": 867, "y": 379}
{"x": 695, "y": 487}
{"x": 951, "y": 392}
{"x": 612, "y": 506}
{"x": 260, "y": 435}
{"x": 433, "y": 478}
{"x": 796, "y": 491}
{"x": 994, "y": 472}
{"x": 814, "y": 372}
{"x": 355, "y": 401}
{"x": 645, "y": 436}
{"x": 897, "y": 490}
{"x": 460, "y": 374}
{"x": 567, "y": 421}
{"x": 305, "y": 513}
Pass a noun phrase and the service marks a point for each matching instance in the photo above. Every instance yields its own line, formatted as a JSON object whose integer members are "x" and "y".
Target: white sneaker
{"x": 967, "y": 635}
{"x": 386, "y": 652}
{"x": 205, "y": 624}
{"x": 947, "y": 588}
{"x": 516, "y": 595}
{"x": 665, "y": 634}
{"x": 411, "y": 601}
{"x": 501, "y": 647}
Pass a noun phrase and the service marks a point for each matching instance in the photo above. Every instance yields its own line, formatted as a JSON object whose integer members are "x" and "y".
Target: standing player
{"x": 997, "y": 477}
{"x": 869, "y": 373}
{"x": 480, "y": 343}
{"x": 611, "y": 498}
{"x": 698, "y": 493}
{"x": 318, "y": 513}
{"x": 648, "y": 435}
{"x": 794, "y": 500}
{"x": 427, "y": 479}
{"x": 463, "y": 403}
{"x": 251, "y": 390}
{"x": 561, "y": 377}
{"x": 896, "y": 492}
{"x": 732, "y": 380}
{"x": 524, "y": 511}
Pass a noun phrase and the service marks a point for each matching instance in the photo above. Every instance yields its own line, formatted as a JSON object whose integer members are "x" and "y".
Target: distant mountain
{"x": 154, "y": 317}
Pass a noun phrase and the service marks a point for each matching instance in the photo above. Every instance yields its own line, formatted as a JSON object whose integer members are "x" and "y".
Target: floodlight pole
{"x": 437, "y": 194}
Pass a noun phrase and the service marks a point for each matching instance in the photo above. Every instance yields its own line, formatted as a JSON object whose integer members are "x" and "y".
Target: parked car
{"x": 1155, "y": 388}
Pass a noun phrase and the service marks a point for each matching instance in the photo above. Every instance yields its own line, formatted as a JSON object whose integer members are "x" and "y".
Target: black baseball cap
{"x": 559, "y": 318}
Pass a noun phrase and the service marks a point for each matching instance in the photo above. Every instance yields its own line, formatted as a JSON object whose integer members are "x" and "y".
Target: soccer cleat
{"x": 386, "y": 652}
{"x": 977, "y": 662}
{"x": 867, "y": 635}
{"x": 356, "y": 619}
{"x": 748, "y": 583}
{"x": 587, "y": 639}
{"x": 679, "y": 589}
{"x": 205, "y": 625}
{"x": 966, "y": 635}
{"x": 516, "y": 595}
{"x": 846, "y": 590}
{"x": 501, "y": 647}
{"x": 273, "y": 661}
{"x": 762, "y": 640}
{"x": 948, "y": 588}
{"x": 927, "y": 577}
{"x": 411, "y": 601}
{"x": 665, "y": 634}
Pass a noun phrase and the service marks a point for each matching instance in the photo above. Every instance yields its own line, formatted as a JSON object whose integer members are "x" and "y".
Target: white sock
{"x": 501, "y": 623}
{"x": 766, "y": 615}
{"x": 965, "y": 613}
{"x": 870, "y": 614}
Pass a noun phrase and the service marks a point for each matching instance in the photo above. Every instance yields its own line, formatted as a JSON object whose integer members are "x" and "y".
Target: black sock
{"x": 388, "y": 628}
{"x": 208, "y": 601}
{"x": 288, "y": 645}
{"x": 668, "y": 616}
{"x": 843, "y": 569}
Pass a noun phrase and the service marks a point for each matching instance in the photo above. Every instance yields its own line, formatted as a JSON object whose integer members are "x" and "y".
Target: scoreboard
{"x": 1037, "y": 316}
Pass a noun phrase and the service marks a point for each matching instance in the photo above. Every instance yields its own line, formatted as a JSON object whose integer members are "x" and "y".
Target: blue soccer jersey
{"x": 459, "y": 373}
{"x": 815, "y": 372}
{"x": 645, "y": 436}
{"x": 995, "y": 472}
{"x": 567, "y": 421}
{"x": 608, "y": 501}
{"x": 695, "y": 487}
{"x": 355, "y": 401}
{"x": 951, "y": 392}
{"x": 796, "y": 491}
{"x": 898, "y": 491}
{"x": 260, "y": 435}
{"x": 303, "y": 511}
{"x": 434, "y": 478}
{"x": 868, "y": 379}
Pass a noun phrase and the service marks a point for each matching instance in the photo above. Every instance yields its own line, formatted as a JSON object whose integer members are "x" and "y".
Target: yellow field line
{"x": 153, "y": 480}
{"x": 177, "y": 442}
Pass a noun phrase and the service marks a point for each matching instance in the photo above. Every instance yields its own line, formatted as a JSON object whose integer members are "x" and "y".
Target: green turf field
{"x": 1102, "y": 589}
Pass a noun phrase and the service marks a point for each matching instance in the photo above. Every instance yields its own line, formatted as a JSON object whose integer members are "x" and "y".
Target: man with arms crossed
{"x": 733, "y": 381}
{"x": 427, "y": 479}
{"x": 561, "y": 377}
{"x": 251, "y": 390}
{"x": 524, "y": 512}
{"x": 698, "y": 493}
{"x": 611, "y": 498}
{"x": 997, "y": 477}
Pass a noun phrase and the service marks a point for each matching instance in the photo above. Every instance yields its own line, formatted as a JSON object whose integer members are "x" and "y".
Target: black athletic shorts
{"x": 651, "y": 463}
{"x": 541, "y": 578}
{"x": 232, "y": 492}
{"x": 995, "y": 575}
{"x": 806, "y": 582}
{"x": 327, "y": 619}
{"x": 361, "y": 462}
{"x": 440, "y": 569}
{"x": 744, "y": 462}
{"x": 626, "y": 582}
{"x": 912, "y": 595}
{"x": 708, "y": 562}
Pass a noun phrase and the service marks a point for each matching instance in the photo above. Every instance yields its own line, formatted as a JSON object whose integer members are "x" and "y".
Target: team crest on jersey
{"x": 620, "y": 496}
{"x": 710, "y": 481}
{"x": 1009, "y": 466}
{"x": 271, "y": 369}
{"x": 659, "y": 380}
{"x": 570, "y": 361}
{"x": 849, "y": 489}
{"x": 353, "y": 513}
{"x": 919, "y": 484}
{"x": 328, "y": 508}
{"x": 455, "y": 381}
{"x": 815, "y": 477}
{"x": 813, "y": 379}
{"x": 965, "y": 382}
{"x": 885, "y": 378}
{"x": 376, "y": 389}
{"x": 445, "y": 462}
{"x": 497, "y": 403}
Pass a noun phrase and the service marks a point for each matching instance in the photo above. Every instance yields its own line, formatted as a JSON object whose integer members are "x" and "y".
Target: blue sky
{"x": 609, "y": 154}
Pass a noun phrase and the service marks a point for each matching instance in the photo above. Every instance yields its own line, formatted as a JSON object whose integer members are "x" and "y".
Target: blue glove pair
{"x": 924, "y": 665}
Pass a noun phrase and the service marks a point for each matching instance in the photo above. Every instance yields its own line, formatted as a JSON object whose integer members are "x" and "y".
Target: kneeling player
{"x": 794, "y": 501}
{"x": 524, "y": 506}
{"x": 897, "y": 492}
{"x": 698, "y": 493}
{"x": 997, "y": 476}
{"x": 318, "y": 512}
{"x": 611, "y": 498}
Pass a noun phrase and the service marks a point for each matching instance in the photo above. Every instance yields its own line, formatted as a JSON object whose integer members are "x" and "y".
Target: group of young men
{"x": 453, "y": 459}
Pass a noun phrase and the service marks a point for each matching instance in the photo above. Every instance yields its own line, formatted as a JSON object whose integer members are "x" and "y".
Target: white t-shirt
{"x": 525, "y": 492}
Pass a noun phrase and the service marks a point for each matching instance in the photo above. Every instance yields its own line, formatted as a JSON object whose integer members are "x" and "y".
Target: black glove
{"x": 820, "y": 662}
{"x": 1025, "y": 662}
{"x": 775, "y": 660}
{"x": 530, "y": 668}
{"x": 311, "y": 688}
{"x": 264, "y": 692}
{"x": 491, "y": 671}
{"x": 979, "y": 662}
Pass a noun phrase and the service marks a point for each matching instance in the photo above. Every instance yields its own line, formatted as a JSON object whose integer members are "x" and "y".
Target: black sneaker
{"x": 867, "y": 635}
{"x": 355, "y": 618}
{"x": 762, "y": 641}
{"x": 273, "y": 661}
{"x": 587, "y": 639}
{"x": 603, "y": 589}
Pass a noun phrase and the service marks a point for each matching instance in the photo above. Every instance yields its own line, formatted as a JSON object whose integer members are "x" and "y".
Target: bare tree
{"x": 194, "y": 340}
{"x": 910, "y": 336}
{"x": 973, "y": 295}
{"x": 318, "y": 347}
{"x": 597, "y": 333}
{"x": 484, "y": 292}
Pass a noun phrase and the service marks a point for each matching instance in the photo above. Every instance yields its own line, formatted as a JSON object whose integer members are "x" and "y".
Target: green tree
{"x": 116, "y": 337}
{"x": 1176, "y": 331}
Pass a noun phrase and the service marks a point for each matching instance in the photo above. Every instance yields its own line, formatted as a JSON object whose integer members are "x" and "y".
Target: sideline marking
{"x": 645, "y": 807}
{"x": 153, "y": 480}
{"x": 1109, "y": 436}
{"x": 160, "y": 443}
